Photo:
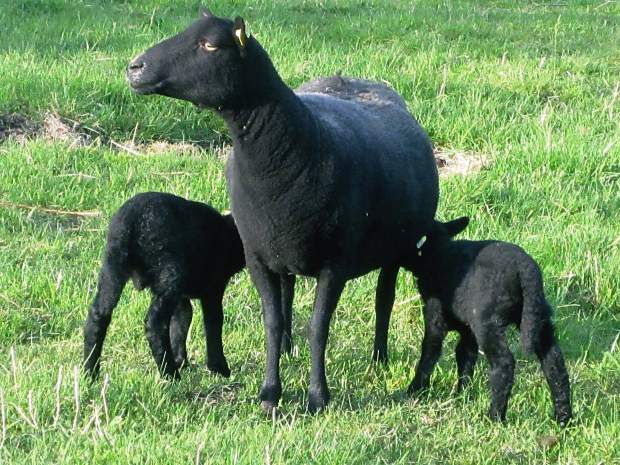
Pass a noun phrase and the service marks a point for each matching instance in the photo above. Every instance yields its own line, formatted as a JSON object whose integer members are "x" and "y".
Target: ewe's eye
{"x": 208, "y": 47}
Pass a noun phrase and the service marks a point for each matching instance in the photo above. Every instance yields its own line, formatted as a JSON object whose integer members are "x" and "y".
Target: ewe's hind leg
{"x": 287, "y": 285}
{"x": 501, "y": 369}
{"x": 434, "y": 334}
{"x": 384, "y": 301}
{"x": 213, "y": 318}
{"x": 466, "y": 357}
{"x": 112, "y": 279}
{"x": 552, "y": 362}
{"x": 157, "y": 326}
{"x": 179, "y": 327}
{"x": 328, "y": 290}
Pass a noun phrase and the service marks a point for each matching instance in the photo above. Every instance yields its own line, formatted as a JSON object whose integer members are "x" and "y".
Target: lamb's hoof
{"x": 416, "y": 390}
{"x": 91, "y": 374}
{"x": 497, "y": 415}
{"x": 318, "y": 401}
{"x": 269, "y": 407}
{"x": 181, "y": 363}
{"x": 172, "y": 375}
{"x": 219, "y": 368}
{"x": 563, "y": 418}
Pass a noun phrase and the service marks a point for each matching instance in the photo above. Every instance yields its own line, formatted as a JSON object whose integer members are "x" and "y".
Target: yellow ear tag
{"x": 241, "y": 36}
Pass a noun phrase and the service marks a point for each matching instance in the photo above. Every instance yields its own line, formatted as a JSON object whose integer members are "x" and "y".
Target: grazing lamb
{"x": 479, "y": 288}
{"x": 181, "y": 250}
{"x": 331, "y": 182}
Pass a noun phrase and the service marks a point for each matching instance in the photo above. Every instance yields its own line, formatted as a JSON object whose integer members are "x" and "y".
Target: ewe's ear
{"x": 456, "y": 226}
{"x": 204, "y": 11}
{"x": 241, "y": 38}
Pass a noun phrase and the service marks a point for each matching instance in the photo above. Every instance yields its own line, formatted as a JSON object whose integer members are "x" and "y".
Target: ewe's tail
{"x": 536, "y": 310}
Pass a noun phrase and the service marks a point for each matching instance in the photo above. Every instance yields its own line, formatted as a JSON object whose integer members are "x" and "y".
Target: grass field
{"x": 534, "y": 88}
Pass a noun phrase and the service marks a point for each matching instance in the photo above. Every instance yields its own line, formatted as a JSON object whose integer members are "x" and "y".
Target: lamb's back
{"x": 489, "y": 286}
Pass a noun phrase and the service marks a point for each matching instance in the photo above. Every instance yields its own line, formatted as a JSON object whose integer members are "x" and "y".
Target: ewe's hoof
{"x": 286, "y": 347}
{"x": 220, "y": 369}
{"x": 317, "y": 401}
{"x": 270, "y": 396}
{"x": 380, "y": 357}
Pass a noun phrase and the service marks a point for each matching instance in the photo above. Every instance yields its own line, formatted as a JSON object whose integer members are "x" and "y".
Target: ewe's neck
{"x": 272, "y": 130}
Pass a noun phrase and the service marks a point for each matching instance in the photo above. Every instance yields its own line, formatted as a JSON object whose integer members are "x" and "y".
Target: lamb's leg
{"x": 268, "y": 285}
{"x": 501, "y": 369}
{"x": 466, "y": 356}
{"x": 329, "y": 288}
{"x": 112, "y": 279}
{"x": 213, "y": 318}
{"x": 552, "y": 362}
{"x": 434, "y": 334}
{"x": 384, "y": 301}
{"x": 157, "y": 326}
{"x": 287, "y": 283}
{"x": 179, "y": 327}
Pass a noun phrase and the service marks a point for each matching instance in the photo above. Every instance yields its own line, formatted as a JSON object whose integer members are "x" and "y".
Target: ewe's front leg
{"x": 213, "y": 318}
{"x": 384, "y": 301}
{"x": 287, "y": 287}
{"x": 329, "y": 288}
{"x": 268, "y": 285}
{"x": 157, "y": 325}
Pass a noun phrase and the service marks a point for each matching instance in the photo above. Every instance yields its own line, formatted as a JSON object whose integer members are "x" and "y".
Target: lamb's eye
{"x": 208, "y": 47}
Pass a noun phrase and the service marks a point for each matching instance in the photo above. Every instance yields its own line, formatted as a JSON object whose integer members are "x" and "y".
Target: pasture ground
{"x": 532, "y": 87}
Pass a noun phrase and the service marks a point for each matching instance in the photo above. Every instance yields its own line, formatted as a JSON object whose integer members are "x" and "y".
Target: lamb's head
{"x": 205, "y": 64}
{"x": 431, "y": 246}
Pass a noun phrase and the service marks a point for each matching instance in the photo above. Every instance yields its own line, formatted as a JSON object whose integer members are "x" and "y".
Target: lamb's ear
{"x": 456, "y": 226}
{"x": 204, "y": 11}
{"x": 240, "y": 36}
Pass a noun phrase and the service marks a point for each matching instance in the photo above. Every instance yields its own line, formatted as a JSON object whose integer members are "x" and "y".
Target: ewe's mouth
{"x": 144, "y": 88}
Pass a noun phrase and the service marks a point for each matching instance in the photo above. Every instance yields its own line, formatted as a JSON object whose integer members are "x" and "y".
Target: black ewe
{"x": 479, "y": 288}
{"x": 181, "y": 250}
{"x": 330, "y": 182}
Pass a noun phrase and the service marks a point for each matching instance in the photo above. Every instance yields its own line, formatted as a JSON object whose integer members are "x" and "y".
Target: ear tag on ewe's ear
{"x": 241, "y": 36}
{"x": 419, "y": 245}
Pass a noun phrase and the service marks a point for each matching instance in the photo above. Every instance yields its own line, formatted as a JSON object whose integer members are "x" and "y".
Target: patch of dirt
{"x": 17, "y": 126}
{"x": 54, "y": 127}
{"x": 158, "y": 148}
{"x": 451, "y": 162}
{"x": 62, "y": 129}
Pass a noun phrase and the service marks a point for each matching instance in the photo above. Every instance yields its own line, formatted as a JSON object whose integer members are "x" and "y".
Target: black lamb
{"x": 180, "y": 250}
{"x": 330, "y": 182}
{"x": 479, "y": 288}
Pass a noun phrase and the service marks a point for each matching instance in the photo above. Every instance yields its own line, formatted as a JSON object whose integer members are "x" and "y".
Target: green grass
{"x": 534, "y": 86}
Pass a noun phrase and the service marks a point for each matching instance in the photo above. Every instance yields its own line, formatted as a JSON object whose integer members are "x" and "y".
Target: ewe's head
{"x": 205, "y": 64}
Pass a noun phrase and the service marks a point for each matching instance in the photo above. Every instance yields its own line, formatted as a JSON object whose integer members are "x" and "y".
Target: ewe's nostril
{"x": 135, "y": 66}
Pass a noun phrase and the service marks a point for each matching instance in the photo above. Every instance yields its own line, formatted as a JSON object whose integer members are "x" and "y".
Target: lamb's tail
{"x": 536, "y": 310}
